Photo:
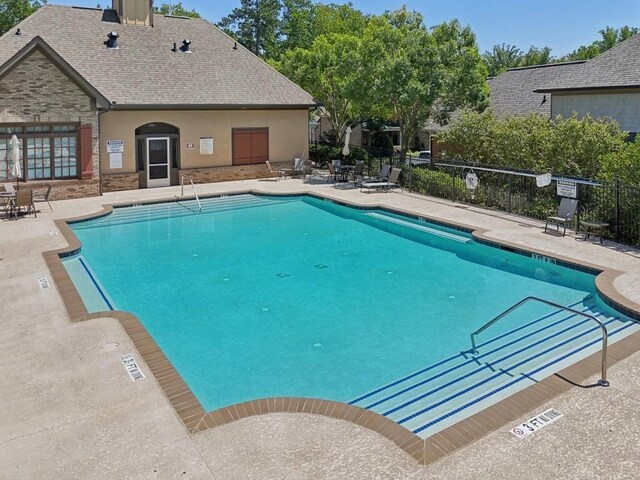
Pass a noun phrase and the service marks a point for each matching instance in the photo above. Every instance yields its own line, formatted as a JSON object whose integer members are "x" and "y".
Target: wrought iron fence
{"x": 515, "y": 191}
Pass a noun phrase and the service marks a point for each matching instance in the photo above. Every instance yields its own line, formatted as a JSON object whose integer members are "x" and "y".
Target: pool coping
{"x": 424, "y": 451}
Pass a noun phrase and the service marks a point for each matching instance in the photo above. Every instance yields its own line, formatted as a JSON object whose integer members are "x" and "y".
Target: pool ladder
{"x": 195, "y": 193}
{"x": 605, "y": 336}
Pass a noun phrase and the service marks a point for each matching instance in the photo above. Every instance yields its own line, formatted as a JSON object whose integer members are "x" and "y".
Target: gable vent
{"x": 186, "y": 46}
{"x": 112, "y": 40}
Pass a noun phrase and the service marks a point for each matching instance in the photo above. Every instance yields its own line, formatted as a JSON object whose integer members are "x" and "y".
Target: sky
{"x": 563, "y": 25}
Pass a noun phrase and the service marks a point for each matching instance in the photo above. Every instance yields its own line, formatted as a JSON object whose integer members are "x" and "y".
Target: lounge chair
{"x": 564, "y": 215}
{"x": 385, "y": 185}
{"x": 298, "y": 167}
{"x": 385, "y": 171}
{"x": 24, "y": 198}
{"x": 277, "y": 174}
{"x": 44, "y": 197}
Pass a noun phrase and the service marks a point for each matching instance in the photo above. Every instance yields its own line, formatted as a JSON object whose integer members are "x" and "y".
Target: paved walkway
{"x": 68, "y": 409}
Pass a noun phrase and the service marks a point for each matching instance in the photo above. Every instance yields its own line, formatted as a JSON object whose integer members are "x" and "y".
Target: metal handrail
{"x": 195, "y": 193}
{"x": 605, "y": 335}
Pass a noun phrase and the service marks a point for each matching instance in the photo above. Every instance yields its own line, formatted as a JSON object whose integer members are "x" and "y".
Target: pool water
{"x": 258, "y": 297}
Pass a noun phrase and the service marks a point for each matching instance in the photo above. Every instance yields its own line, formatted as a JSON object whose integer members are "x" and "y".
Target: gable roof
{"x": 513, "y": 92}
{"x": 38, "y": 44}
{"x": 144, "y": 72}
{"x": 618, "y": 67}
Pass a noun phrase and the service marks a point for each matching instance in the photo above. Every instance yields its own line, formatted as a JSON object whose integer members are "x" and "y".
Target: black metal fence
{"x": 513, "y": 191}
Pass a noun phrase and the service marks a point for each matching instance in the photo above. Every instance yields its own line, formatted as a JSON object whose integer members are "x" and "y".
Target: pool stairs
{"x": 439, "y": 395}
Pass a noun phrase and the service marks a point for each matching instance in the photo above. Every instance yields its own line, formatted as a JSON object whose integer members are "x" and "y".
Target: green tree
{"x": 256, "y": 25}
{"x": 13, "y": 12}
{"x": 536, "y": 56}
{"x": 415, "y": 74}
{"x": 501, "y": 57}
{"x": 175, "y": 9}
{"x": 610, "y": 37}
{"x": 329, "y": 71}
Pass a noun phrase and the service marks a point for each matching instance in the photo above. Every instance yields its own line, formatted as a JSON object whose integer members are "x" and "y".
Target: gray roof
{"x": 618, "y": 67}
{"x": 512, "y": 92}
{"x": 144, "y": 71}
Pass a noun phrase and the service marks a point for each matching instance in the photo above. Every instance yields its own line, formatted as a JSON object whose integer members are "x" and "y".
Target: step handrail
{"x": 605, "y": 335}
{"x": 195, "y": 193}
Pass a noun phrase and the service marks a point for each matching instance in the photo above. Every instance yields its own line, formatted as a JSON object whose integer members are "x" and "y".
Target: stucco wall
{"x": 622, "y": 107}
{"x": 38, "y": 91}
{"x": 288, "y": 134}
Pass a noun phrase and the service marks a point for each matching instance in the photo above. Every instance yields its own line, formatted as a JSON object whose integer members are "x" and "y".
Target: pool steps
{"x": 431, "y": 399}
{"x": 162, "y": 211}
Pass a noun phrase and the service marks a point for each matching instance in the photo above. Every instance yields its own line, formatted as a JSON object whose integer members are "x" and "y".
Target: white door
{"x": 158, "y": 162}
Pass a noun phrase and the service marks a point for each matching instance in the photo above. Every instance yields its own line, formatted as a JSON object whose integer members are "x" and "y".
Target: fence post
{"x": 510, "y": 190}
{"x": 617, "y": 207}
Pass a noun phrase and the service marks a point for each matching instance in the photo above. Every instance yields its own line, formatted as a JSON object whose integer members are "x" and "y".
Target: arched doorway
{"x": 157, "y": 154}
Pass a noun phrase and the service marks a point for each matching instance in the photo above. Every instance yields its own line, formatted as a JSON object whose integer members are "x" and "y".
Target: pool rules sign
{"x": 566, "y": 188}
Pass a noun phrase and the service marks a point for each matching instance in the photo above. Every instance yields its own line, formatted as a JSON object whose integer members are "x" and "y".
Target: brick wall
{"x": 226, "y": 174}
{"x": 65, "y": 189}
{"x": 119, "y": 182}
{"x": 38, "y": 91}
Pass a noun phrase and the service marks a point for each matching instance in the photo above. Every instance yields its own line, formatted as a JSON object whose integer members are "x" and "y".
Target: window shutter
{"x": 86, "y": 152}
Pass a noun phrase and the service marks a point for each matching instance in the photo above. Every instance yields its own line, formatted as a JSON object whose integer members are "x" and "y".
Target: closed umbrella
{"x": 347, "y": 137}
{"x": 16, "y": 167}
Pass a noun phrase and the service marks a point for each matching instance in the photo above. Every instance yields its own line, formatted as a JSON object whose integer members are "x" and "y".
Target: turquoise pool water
{"x": 294, "y": 296}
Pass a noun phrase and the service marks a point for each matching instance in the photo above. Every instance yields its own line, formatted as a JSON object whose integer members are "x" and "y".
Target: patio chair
{"x": 332, "y": 172}
{"x": 385, "y": 171}
{"x": 24, "y": 198}
{"x": 564, "y": 215}
{"x": 44, "y": 198}
{"x": 277, "y": 174}
{"x": 299, "y": 167}
{"x": 7, "y": 187}
{"x": 385, "y": 185}
{"x": 358, "y": 172}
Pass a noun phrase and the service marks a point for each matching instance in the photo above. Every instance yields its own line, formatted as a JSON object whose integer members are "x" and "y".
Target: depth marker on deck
{"x": 132, "y": 367}
{"x": 43, "y": 282}
{"x": 536, "y": 423}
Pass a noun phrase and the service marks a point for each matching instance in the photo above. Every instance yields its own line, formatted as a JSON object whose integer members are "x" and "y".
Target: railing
{"x": 195, "y": 193}
{"x": 605, "y": 336}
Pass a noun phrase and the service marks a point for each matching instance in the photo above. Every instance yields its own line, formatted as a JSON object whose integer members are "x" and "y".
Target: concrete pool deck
{"x": 69, "y": 410}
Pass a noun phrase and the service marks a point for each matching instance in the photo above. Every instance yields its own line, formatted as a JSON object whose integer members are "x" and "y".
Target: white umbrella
{"x": 16, "y": 167}
{"x": 347, "y": 137}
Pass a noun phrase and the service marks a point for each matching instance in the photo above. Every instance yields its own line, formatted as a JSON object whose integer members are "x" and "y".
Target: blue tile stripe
{"x": 493, "y": 363}
{"x": 95, "y": 284}
{"x": 442, "y": 362}
{"x": 503, "y": 387}
{"x": 504, "y": 372}
{"x": 475, "y": 359}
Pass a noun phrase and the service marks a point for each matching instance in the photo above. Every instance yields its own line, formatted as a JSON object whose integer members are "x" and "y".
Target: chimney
{"x": 134, "y": 12}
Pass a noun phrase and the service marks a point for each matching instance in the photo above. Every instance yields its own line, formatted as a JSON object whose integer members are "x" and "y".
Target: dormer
{"x": 134, "y": 12}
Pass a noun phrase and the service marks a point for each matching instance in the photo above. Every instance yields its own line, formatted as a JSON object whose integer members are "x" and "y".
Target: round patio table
{"x": 594, "y": 228}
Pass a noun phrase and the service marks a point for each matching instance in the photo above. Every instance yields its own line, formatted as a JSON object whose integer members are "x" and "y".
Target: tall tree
{"x": 13, "y": 12}
{"x": 502, "y": 57}
{"x": 416, "y": 74}
{"x": 610, "y": 37}
{"x": 331, "y": 71}
{"x": 175, "y": 9}
{"x": 256, "y": 25}
{"x": 536, "y": 56}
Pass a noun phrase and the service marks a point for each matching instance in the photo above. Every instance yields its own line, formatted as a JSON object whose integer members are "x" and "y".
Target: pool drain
{"x": 320, "y": 266}
{"x": 282, "y": 275}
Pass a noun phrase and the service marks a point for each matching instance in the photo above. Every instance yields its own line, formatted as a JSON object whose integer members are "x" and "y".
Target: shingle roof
{"x": 145, "y": 71}
{"x": 618, "y": 67}
{"x": 512, "y": 92}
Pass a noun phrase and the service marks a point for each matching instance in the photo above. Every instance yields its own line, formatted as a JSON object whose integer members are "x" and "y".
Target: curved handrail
{"x": 605, "y": 335}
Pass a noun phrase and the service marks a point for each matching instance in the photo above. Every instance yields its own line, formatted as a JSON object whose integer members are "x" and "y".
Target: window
{"x": 47, "y": 151}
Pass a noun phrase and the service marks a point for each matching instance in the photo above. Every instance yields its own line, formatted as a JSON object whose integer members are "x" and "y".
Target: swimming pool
{"x": 256, "y": 297}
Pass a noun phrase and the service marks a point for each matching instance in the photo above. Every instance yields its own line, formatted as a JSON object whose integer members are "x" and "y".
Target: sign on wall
{"x": 206, "y": 145}
{"x": 566, "y": 188}
{"x": 115, "y": 146}
{"x": 115, "y": 149}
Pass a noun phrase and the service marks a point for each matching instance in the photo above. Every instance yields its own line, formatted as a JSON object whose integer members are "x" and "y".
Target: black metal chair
{"x": 564, "y": 215}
